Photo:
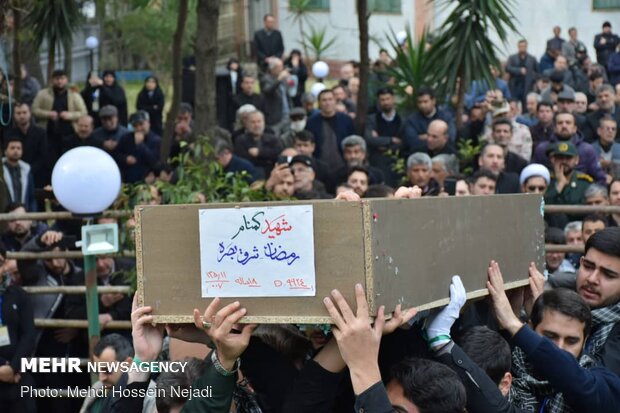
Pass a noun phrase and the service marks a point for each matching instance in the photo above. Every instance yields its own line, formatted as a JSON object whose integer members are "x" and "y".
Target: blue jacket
{"x": 238, "y": 164}
{"x": 344, "y": 128}
{"x": 588, "y": 158}
{"x": 586, "y": 390}
{"x": 478, "y": 90}
{"x": 416, "y": 124}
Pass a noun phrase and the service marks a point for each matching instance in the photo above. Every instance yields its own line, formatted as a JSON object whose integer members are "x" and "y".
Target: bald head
{"x": 437, "y": 135}
{"x": 84, "y": 127}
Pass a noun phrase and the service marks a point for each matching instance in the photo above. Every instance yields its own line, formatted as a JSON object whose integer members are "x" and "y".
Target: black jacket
{"x": 18, "y": 317}
{"x": 482, "y": 394}
{"x": 268, "y": 44}
{"x": 35, "y": 152}
{"x": 508, "y": 183}
{"x": 154, "y": 106}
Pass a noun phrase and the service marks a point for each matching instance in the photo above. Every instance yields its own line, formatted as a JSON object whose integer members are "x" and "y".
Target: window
{"x": 605, "y": 4}
{"x": 384, "y": 6}
{"x": 318, "y": 4}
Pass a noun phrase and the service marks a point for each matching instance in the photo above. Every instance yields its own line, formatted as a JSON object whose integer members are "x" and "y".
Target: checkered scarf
{"x": 603, "y": 321}
{"x": 528, "y": 393}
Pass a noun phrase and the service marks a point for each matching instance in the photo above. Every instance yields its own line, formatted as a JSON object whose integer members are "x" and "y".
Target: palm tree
{"x": 300, "y": 10}
{"x": 54, "y": 21}
{"x": 411, "y": 69}
{"x": 463, "y": 51}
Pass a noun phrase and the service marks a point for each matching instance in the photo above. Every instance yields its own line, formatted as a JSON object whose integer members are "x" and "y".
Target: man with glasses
{"x": 534, "y": 179}
{"x": 607, "y": 148}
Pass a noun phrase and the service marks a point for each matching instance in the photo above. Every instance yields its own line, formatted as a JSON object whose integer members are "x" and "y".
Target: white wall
{"x": 341, "y": 22}
{"x": 535, "y": 20}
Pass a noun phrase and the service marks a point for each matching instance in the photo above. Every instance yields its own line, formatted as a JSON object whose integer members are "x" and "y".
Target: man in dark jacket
{"x": 576, "y": 381}
{"x": 83, "y": 135}
{"x": 257, "y": 146}
{"x": 493, "y": 158}
{"x": 16, "y": 342}
{"x": 416, "y": 125}
{"x": 232, "y": 163}
{"x": 34, "y": 141}
{"x": 605, "y": 43}
{"x": 543, "y": 130}
{"x": 137, "y": 152}
{"x": 382, "y": 135}
{"x": 110, "y": 131}
{"x": 566, "y": 130}
{"x": 329, "y": 128}
{"x": 605, "y": 101}
{"x": 523, "y": 68}
{"x": 268, "y": 41}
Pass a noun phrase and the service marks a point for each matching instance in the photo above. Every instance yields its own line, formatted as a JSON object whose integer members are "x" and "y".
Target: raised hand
{"x": 147, "y": 338}
{"x": 399, "y": 318}
{"x": 410, "y": 192}
{"x": 503, "y": 310}
{"x": 439, "y": 325}
{"x": 218, "y": 324}
{"x": 537, "y": 286}
{"x": 358, "y": 341}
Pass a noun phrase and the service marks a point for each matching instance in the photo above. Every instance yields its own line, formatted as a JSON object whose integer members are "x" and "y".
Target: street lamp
{"x": 92, "y": 43}
{"x": 86, "y": 181}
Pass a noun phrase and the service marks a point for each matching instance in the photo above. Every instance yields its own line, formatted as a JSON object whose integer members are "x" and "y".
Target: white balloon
{"x": 86, "y": 180}
{"x": 317, "y": 88}
{"x": 320, "y": 69}
{"x": 92, "y": 42}
{"x": 401, "y": 37}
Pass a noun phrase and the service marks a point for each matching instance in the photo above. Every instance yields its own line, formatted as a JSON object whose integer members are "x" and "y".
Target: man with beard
{"x": 419, "y": 172}
{"x": 354, "y": 153}
{"x": 493, "y": 159}
{"x": 18, "y": 178}
{"x": 110, "y": 132}
{"x": 258, "y": 146}
{"x": 329, "y": 128}
{"x": 605, "y": 101}
{"x": 20, "y": 231}
{"x": 58, "y": 109}
{"x": 568, "y": 186}
{"x": 566, "y": 131}
{"x": 34, "y": 141}
{"x": 501, "y": 134}
{"x": 137, "y": 152}
{"x": 382, "y": 130}
{"x": 416, "y": 126}
{"x": 598, "y": 283}
{"x": 305, "y": 184}
{"x": 83, "y": 135}
{"x": 54, "y": 342}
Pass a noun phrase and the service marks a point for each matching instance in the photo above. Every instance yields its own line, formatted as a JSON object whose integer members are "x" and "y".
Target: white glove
{"x": 438, "y": 325}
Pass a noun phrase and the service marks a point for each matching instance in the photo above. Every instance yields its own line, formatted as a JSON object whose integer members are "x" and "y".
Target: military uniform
{"x": 573, "y": 192}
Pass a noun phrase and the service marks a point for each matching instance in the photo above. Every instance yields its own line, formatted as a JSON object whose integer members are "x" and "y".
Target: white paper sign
{"x": 257, "y": 252}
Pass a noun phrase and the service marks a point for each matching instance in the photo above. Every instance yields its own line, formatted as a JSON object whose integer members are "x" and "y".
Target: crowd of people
{"x": 548, "y": 126}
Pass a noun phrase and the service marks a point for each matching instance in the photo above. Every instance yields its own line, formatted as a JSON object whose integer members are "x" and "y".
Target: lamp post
{"x": 86, "y": 181}
{"x": 92, "y": 43}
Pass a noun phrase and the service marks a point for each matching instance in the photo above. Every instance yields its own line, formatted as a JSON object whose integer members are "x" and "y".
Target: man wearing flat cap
{"x": 137, "y": 152}
{"x": 567, "y": 186}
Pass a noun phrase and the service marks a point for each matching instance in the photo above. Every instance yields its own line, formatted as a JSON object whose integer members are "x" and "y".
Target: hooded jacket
{"x": 588, "y": 158}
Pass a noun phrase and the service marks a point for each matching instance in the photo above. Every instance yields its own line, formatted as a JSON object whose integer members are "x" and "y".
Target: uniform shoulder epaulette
{"x": 585, "y": 177}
